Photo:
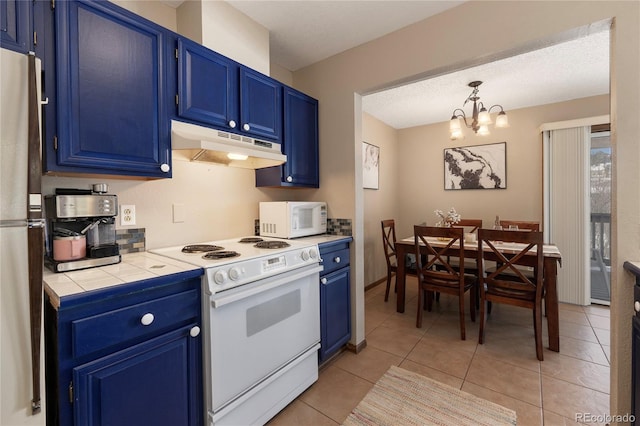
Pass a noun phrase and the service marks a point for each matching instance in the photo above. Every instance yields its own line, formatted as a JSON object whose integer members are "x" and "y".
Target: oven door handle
{"x": 284, "y": 279}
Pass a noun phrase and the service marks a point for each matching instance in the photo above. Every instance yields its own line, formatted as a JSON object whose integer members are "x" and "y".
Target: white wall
{"x": 383, "y": 203}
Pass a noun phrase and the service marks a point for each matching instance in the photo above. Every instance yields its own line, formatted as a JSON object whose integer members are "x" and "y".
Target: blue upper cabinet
{"x": 300, "y": 144}
{"x": 207, "y": 86}
{"x": 260, "y": 105}
{"x": 217, "y": 91}
{"x": 16, "y": 25}
{"x": 111, "y": 92}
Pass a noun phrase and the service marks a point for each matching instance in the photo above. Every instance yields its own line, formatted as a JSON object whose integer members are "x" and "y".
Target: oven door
{"x": 258, "y": 328}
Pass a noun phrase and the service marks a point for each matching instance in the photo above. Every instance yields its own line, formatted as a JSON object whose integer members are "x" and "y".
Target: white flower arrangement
{"x": 449, "y": 219}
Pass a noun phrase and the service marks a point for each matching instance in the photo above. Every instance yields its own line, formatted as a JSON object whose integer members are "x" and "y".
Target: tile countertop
{"x": 133, "y": 267}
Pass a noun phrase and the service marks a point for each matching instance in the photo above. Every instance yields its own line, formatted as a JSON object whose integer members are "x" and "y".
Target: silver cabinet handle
{"x": 164, "y": 167}
{"x": 232, "y": 124}
{"x": 289, "y": 179}
{"x": 147, "y": 319}
{"x": 246, "y": 127}
{"x": 337, "y": 259}
{"x": 636, "y": 306}
{"x": 323, "y": 280}
{"x": 195, "y": 331}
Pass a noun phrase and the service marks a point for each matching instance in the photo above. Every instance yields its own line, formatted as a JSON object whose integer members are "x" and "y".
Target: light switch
{"x": 178, "y": 213}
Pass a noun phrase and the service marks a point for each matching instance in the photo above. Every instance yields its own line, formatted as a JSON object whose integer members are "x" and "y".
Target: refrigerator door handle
{"x": 35, "y": 234}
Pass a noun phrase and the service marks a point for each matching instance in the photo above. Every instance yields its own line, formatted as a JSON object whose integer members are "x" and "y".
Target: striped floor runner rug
{"x": 402, "y": 397}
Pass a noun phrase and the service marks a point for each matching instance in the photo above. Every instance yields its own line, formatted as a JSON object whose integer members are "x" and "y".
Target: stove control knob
{"x": 636, "y": 306}
{"x": 234, "y": 273}
{"x": 220, "y": 277}
{"x": 305, "y": 255}
{"x": 313, "y": 253}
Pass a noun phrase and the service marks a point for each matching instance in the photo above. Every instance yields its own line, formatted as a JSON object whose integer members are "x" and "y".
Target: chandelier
{"x": 480, "y": 118}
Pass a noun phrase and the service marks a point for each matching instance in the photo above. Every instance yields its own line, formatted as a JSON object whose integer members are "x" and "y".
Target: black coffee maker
{"x": 81, "y": 229}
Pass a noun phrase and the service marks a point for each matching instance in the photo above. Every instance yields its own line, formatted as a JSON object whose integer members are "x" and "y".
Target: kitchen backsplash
{"x": 339, "y": 227}
{"x": 130, "y": 240}
{"x": 334, "y": 227}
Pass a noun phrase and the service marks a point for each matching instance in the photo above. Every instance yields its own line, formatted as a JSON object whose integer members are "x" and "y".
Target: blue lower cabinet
{"x": 130, "y": 355}
{"x": 147, "y": 384}
{"x": 335, "y": 298}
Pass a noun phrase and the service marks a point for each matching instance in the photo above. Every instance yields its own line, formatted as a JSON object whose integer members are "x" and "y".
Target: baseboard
{"x": 375, "y": 283}
{"x": 357, "y": 348}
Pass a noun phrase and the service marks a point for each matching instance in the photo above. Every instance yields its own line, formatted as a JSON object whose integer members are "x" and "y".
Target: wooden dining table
{"x": 552, "y": 257}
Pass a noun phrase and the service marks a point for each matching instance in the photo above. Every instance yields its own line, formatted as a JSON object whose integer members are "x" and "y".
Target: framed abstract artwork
{"x": 476, "y": 167}
{"x": 370, "y": 165}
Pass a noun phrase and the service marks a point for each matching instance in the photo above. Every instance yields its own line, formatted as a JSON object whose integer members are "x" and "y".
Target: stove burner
{"x": 220, "y": 254}
{"x": 200, "y": 248}
{"x": 251, "y": 240}
{"x": 272, "y": 244}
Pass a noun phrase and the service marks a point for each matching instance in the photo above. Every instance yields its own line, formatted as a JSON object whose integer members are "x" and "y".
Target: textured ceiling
{"x": 307, "y": 31}
{"x": 570, "y": 70}
{"x": 303, "y": 32}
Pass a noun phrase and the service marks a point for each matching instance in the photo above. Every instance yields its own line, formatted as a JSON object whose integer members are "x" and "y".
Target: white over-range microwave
{"x": 292, "y": 219}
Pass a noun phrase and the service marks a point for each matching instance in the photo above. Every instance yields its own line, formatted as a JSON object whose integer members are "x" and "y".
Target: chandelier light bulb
{"x": 456, "y": 134}
{"x": 483, "y": 130}
{"x": 501, "y": 120}
{"x": 484, "y": 117}
{"x": 454, "y": 124}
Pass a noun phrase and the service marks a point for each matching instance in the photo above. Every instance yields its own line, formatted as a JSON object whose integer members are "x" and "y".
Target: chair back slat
{"x": 389, "y": 241}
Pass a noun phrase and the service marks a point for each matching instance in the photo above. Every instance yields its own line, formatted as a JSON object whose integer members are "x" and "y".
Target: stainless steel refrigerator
{"x": 21, "y": 242}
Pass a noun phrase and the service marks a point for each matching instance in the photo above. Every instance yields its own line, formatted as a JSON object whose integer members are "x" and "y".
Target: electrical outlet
{"x": 127, "y": 214}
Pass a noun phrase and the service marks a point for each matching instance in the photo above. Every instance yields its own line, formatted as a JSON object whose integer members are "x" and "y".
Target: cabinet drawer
{"x": 334, "y": 260}
{"x": 114, "y": 327}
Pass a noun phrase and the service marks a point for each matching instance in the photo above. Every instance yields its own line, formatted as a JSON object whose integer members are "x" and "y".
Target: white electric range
{"x": 261, "y": 323}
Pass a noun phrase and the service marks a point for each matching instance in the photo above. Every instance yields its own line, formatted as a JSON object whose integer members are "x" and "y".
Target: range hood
{"x": 198, "y": 143}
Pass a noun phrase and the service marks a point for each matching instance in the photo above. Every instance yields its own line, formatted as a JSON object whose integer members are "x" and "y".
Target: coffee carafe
{"x": 81, "y": 230}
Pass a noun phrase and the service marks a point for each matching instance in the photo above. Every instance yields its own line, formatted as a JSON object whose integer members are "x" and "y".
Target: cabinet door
{"x": 16, "y": 25}
{"x": 153, "y": 383}
{"x": 260, "y": 105}
{"x": 207, "y": 86}
{"x": 110, "y": 92}
{"x": 299, "y": 144}
{"x": 335, "y": 312}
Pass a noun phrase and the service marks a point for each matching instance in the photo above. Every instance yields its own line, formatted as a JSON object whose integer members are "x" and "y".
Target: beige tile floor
{"x": 503, "y": 370}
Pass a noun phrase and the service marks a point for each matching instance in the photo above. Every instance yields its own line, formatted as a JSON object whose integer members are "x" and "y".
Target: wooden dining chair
{"x": 507, "y": 283}
{"x": 444, "y": 279}
{"x": 389, "y": 247}
{"x": 522, "y": 225}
